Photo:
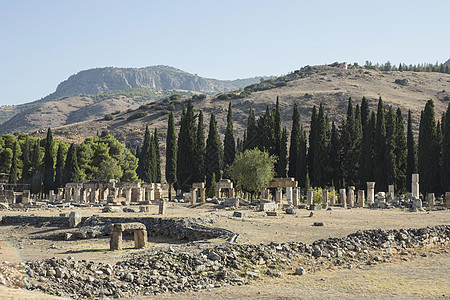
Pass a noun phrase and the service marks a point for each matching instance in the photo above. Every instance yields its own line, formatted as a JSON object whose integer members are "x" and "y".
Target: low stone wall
{"x": 175, "y": 228}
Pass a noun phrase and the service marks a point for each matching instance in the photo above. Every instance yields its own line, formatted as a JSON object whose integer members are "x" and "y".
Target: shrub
{"x": 175, "y": 97}
{"x": 116, "y": 112}
{"x": 109, "y": 117}
{"x": 137, "y": 115}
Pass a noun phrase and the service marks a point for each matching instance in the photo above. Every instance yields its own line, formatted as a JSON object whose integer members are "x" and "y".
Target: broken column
{"x": 351, "y": 196}
{"x": 430, "y": 199}
{"x": 193, "y": 196}
{"x": 370, "y": 193}
{"x": 332, "y": 195}
{"x": 295, "y": 196}
{"x": 289, "y": 195}
{"x": 278, "y": 195}
{"x": 325, "y": 199}
{"x": 415, "y": 186}
{"x": 74, "y": 219}
{"x": 309, "y": 198}
{"x": 162, "y": 207}
{"x": 361, "y": 198}
{"x": 390, "y": 195}
{"x": 343, "y": 198}
{"x": 202, "y": 195}
{"x": 128, "y": 195}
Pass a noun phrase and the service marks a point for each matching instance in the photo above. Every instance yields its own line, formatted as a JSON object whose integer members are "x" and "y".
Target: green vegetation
{"x": 139, "y": 114}
{"x": 171, "y": 154}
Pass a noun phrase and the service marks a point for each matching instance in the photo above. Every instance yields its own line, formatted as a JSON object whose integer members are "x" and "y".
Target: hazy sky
{"x": 44, "y": 42}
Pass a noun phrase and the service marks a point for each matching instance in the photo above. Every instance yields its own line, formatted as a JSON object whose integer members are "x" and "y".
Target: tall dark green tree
{"x": 26, "y": 161}
{"x": 36, "y": 179}
{"x": 428, "y": 151}
{"x": 171, "y": 154}
{"x": 277, "y": 135}
{"x": 71, "y": 171}
{"x": 302, "y": 159}
{"x": 213, "y": 153}
{"x": 144, "y": 170}
{"x": 13, "y": 173}
{"x": 411, "y": 161}
{"x": 251, "y": 138}
{"x": 186, "y": 148}
{"x": 294, "y": 146}
{"x": 446, "y": 150}
{"x": 48, "y": 182}
{"x": 390, "y": 147}
{"x": 312, "y": 145}
{"x": 200, "y": 151}
{"x": 283, "y": 160}
{"x": 335, "y": 157}
{"x": 400, "y": 153}
{"x": 322, "y": 168}
{"x": 229, "y": 144}
{"x": 59, "y": 169}
{"x": 266, "y": 132}
{"x": 350, "y": 140}
{"x": 156, "y": 160}
{"x": 380, "y": 169}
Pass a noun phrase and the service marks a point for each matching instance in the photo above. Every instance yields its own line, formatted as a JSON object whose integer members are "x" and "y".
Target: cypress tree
{"x": 59, "y": 182}
{"x": 36, "y": 180}
{"x": 229, "y": 143}
{"x": 144, "y": 169}
{"x": 294, "y": 146}
{"x": 213, "y": 153}
{"x": 411, "y": 161}
{"x": 26, "y": 161}
{"x": 350, "y": 139}
{"x": 446, "y": 151}
{"x": 186, "y": 148}
{"x": 171, "y": 154}
{"x": 156, "y": 159}
{"x": 335, "y": 156}
{"x": 251, "y": 139}
{"x": 71, "y": 171}
{"x": 49, "y": 165}
{"x": 201, "y": 150}
{"x": 428, "y": 151}
{"x": 312, "y": 144}
{"x": 380, "y": 149}
{"x": 400, "y": 153}
{"x": 390, "y": 147}
{"x": 302, "y": 159}
{"x": 439, "y": 156}
{"x": 283, "y": 160}
{"x": 365, "y": 114}
{"x": 266, "y": 132}
{"x": 321, "y": 147}
{"x": 14, "y": 169}
{"x": 277, "y": 135}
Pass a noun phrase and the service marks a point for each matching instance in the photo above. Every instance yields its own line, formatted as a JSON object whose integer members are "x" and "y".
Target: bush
{"x": 116, "y": 112}
{"x": 145, "y": 106}
{"x": 137, "y": 115}
{"x": 109, "y": 117}
{"x": 199, "y": 97}
{"x": 175, "y": 97}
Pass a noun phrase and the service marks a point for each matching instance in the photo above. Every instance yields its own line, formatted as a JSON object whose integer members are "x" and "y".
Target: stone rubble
{"x": 169, "y": 270}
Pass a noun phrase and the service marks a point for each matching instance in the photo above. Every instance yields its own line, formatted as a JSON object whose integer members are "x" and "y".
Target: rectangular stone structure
{"x": 309, "y": 198}
{"x": 370, "y": 193}
{"x": 289, "y": 194}
{"x": 325, "y": 199}
{"x": 139, "y": 230}
{"x": 447, "y": 199}
{"x": 332, "y": 195}
{"x": 351, "y": 196}
{"x": 415, "y": 186}
{"x": 278, "y": 195}
{"x": 162, "y": 207}
{"x": 431, "y": 199}
{"x": 270, "y": 206}
{"x": 295, "y": 196}
{"x": 361, "y": 198}
{"x": 343, "y": 198}
{"x": 74, "y": 219}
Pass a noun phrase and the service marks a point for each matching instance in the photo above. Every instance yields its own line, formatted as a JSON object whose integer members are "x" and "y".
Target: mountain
{"x": 309, "y": 86}
{"x": 447, "y": 62}
{"x": 101, "y": 80}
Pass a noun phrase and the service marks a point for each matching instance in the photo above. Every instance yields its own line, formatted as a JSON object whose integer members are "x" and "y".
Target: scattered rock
{"x": 318, "y": 224}
{"x": 300, "y": 271}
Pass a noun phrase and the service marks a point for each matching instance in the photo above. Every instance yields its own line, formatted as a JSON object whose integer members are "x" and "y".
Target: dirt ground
{"x": 418, "y": 278}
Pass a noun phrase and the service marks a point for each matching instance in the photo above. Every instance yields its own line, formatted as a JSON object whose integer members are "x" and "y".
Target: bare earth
{"x": 419, "y": 277}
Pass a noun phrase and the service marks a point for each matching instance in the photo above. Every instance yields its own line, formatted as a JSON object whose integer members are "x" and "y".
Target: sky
{"x": 43, "y": 42}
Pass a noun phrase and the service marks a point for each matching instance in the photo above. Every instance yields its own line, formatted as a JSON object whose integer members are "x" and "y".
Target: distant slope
{"x": 101, "y": 80}
{"x": 447, "y": 62}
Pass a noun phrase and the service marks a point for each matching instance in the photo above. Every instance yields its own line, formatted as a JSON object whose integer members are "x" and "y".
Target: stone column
{"x": 84, "y": 196}
{"x": 218, "y": 193}
{"x": 96, "y": 195}
{"x": 415, "y": 186}
{"x": 309, "y": 198}
{"x": 325, "y": 199}
{"x": 430, "y": 199}
{"x": 51, "y": 195}
{"x": 332, "y": 195}
{"x": 116, "y": 241}
{"x": 295, "y": 193}
{"x": 278, "y": 195}
{"x": 447, "y": 199}
{"x": 128, "y": 194}
{"x": 140, "y": 239}
{"x": 351, "y": 196}
{"x": 231, "y": 193}
{"x": 289, "y": 195}
{"x": 68, "y": 194}
{"x": 361, "y": 198}
{"x": 193, "y": 196}
{"x": 266, "y": 194}
{"x": 150, "y": 194}
{"x": 139, "y": 194}
{"x": 77, "y": 195}
{"x": 202, "y": 195}
{"x": 343, "y": 198}
{"x": 370, "y": 193}
{"x": 162, "y": 207}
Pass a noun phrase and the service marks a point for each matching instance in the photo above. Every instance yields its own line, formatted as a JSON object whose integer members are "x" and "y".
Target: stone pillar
{"x": 289, "y": 195}
{"x": 278, "y": 195}
{"x": 68, "y": 194}
{"x": 202, "y": 195}
{"x": 96, "y": 195}
{"x": 325, "y": 199}
{"x": 370, "y": 193}
{"x": 447, "y": 199}
{"x": 415, "y": 186}
{"x": 193, "y": 196}
{"x": 332, "y": 195}
{"x": 309, "y": 198}
{"x": 162, "y": 207}
{"x": 361, "y": 198}
{"x": 74, "y": 219}
{"x": 218, "y": 192}
{"x": 128, "y": 194}
{"x": 51, "y": 196}
{"x": 231, "y": 193}
{"x": 266, "y": 194}
{"x": 430, "y": 199}
{"x": 116, "y": 241}
{"x": 84, "y": 196}
{"x": 351, "y": 196}
{"x": 150, "y": 194}
{"x": 343, "y": 198}
{"x": 26, "y": 196}
{"x": 295, "y": 193}
{"x": 77, "y": 195}
{"x": 140, "y": 239}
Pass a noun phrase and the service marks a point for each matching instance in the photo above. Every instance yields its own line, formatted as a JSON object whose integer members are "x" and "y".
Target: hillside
{"x": 332, "y": 85}
{"x": 101, "y": 80}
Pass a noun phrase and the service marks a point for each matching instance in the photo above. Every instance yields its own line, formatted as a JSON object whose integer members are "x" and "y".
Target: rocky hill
{"x": 101, "y": 80}
{"x": 447, "y": 62}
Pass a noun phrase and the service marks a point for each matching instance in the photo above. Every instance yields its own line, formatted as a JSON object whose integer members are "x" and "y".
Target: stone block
{"x": 271, "y": 206}
{"x": 271, "y": 213}
{"x": 231, "y": 202}
{"x": 144, "y": 208}
{"x": 239, "y": 214}
{"x": 112, "y": 209}
{"x": 74, "y": 219}
{"x": 162, "y": 207}
{"x": 291, "y": 211}
{"x": 447, "y": 199}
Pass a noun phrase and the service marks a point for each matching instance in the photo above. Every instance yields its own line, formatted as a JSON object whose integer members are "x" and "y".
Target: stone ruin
{"x": 139, "y": 231}
{"x": 225, "y": 185}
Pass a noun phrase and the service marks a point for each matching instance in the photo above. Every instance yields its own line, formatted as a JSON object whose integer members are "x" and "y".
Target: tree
{"x": 283, "y": 158}
{"x": 335, "y": 156}
{"x": 294, "y": 146}
{"x": 390, "y": 147}
{"x": 312, "y": 144}
{"x": 14, "y": 168}
{"x": 171, "y": 154}
{"x": 411, "y": 160}
{"x": 36, "y": 180}
{"x": 59, "y": 181}
{"x": 49, "y": 164}
{"x": 446, "y": 150}
{"x": 321, "y": 167}
{"x": 251, "y": 139}
{"x": 26, "y": 161}
{"x": 186, "y": 148}
{"x": 380, "y": 149}
{"x": 156, "y": 159}
{"x": 71, "y": 171}
{"x": 277, "y": 136}
{"x": 252, "y": 170}
{"x": 428, "y": 151}
{"x": 145, "y": 171}
{"x": 200, "y": 151}
{"x": 229, "y": 145}
{"x": 400, "y": 153}
{"x": 213, "y": 152}
{"x": 266, "y": 132}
